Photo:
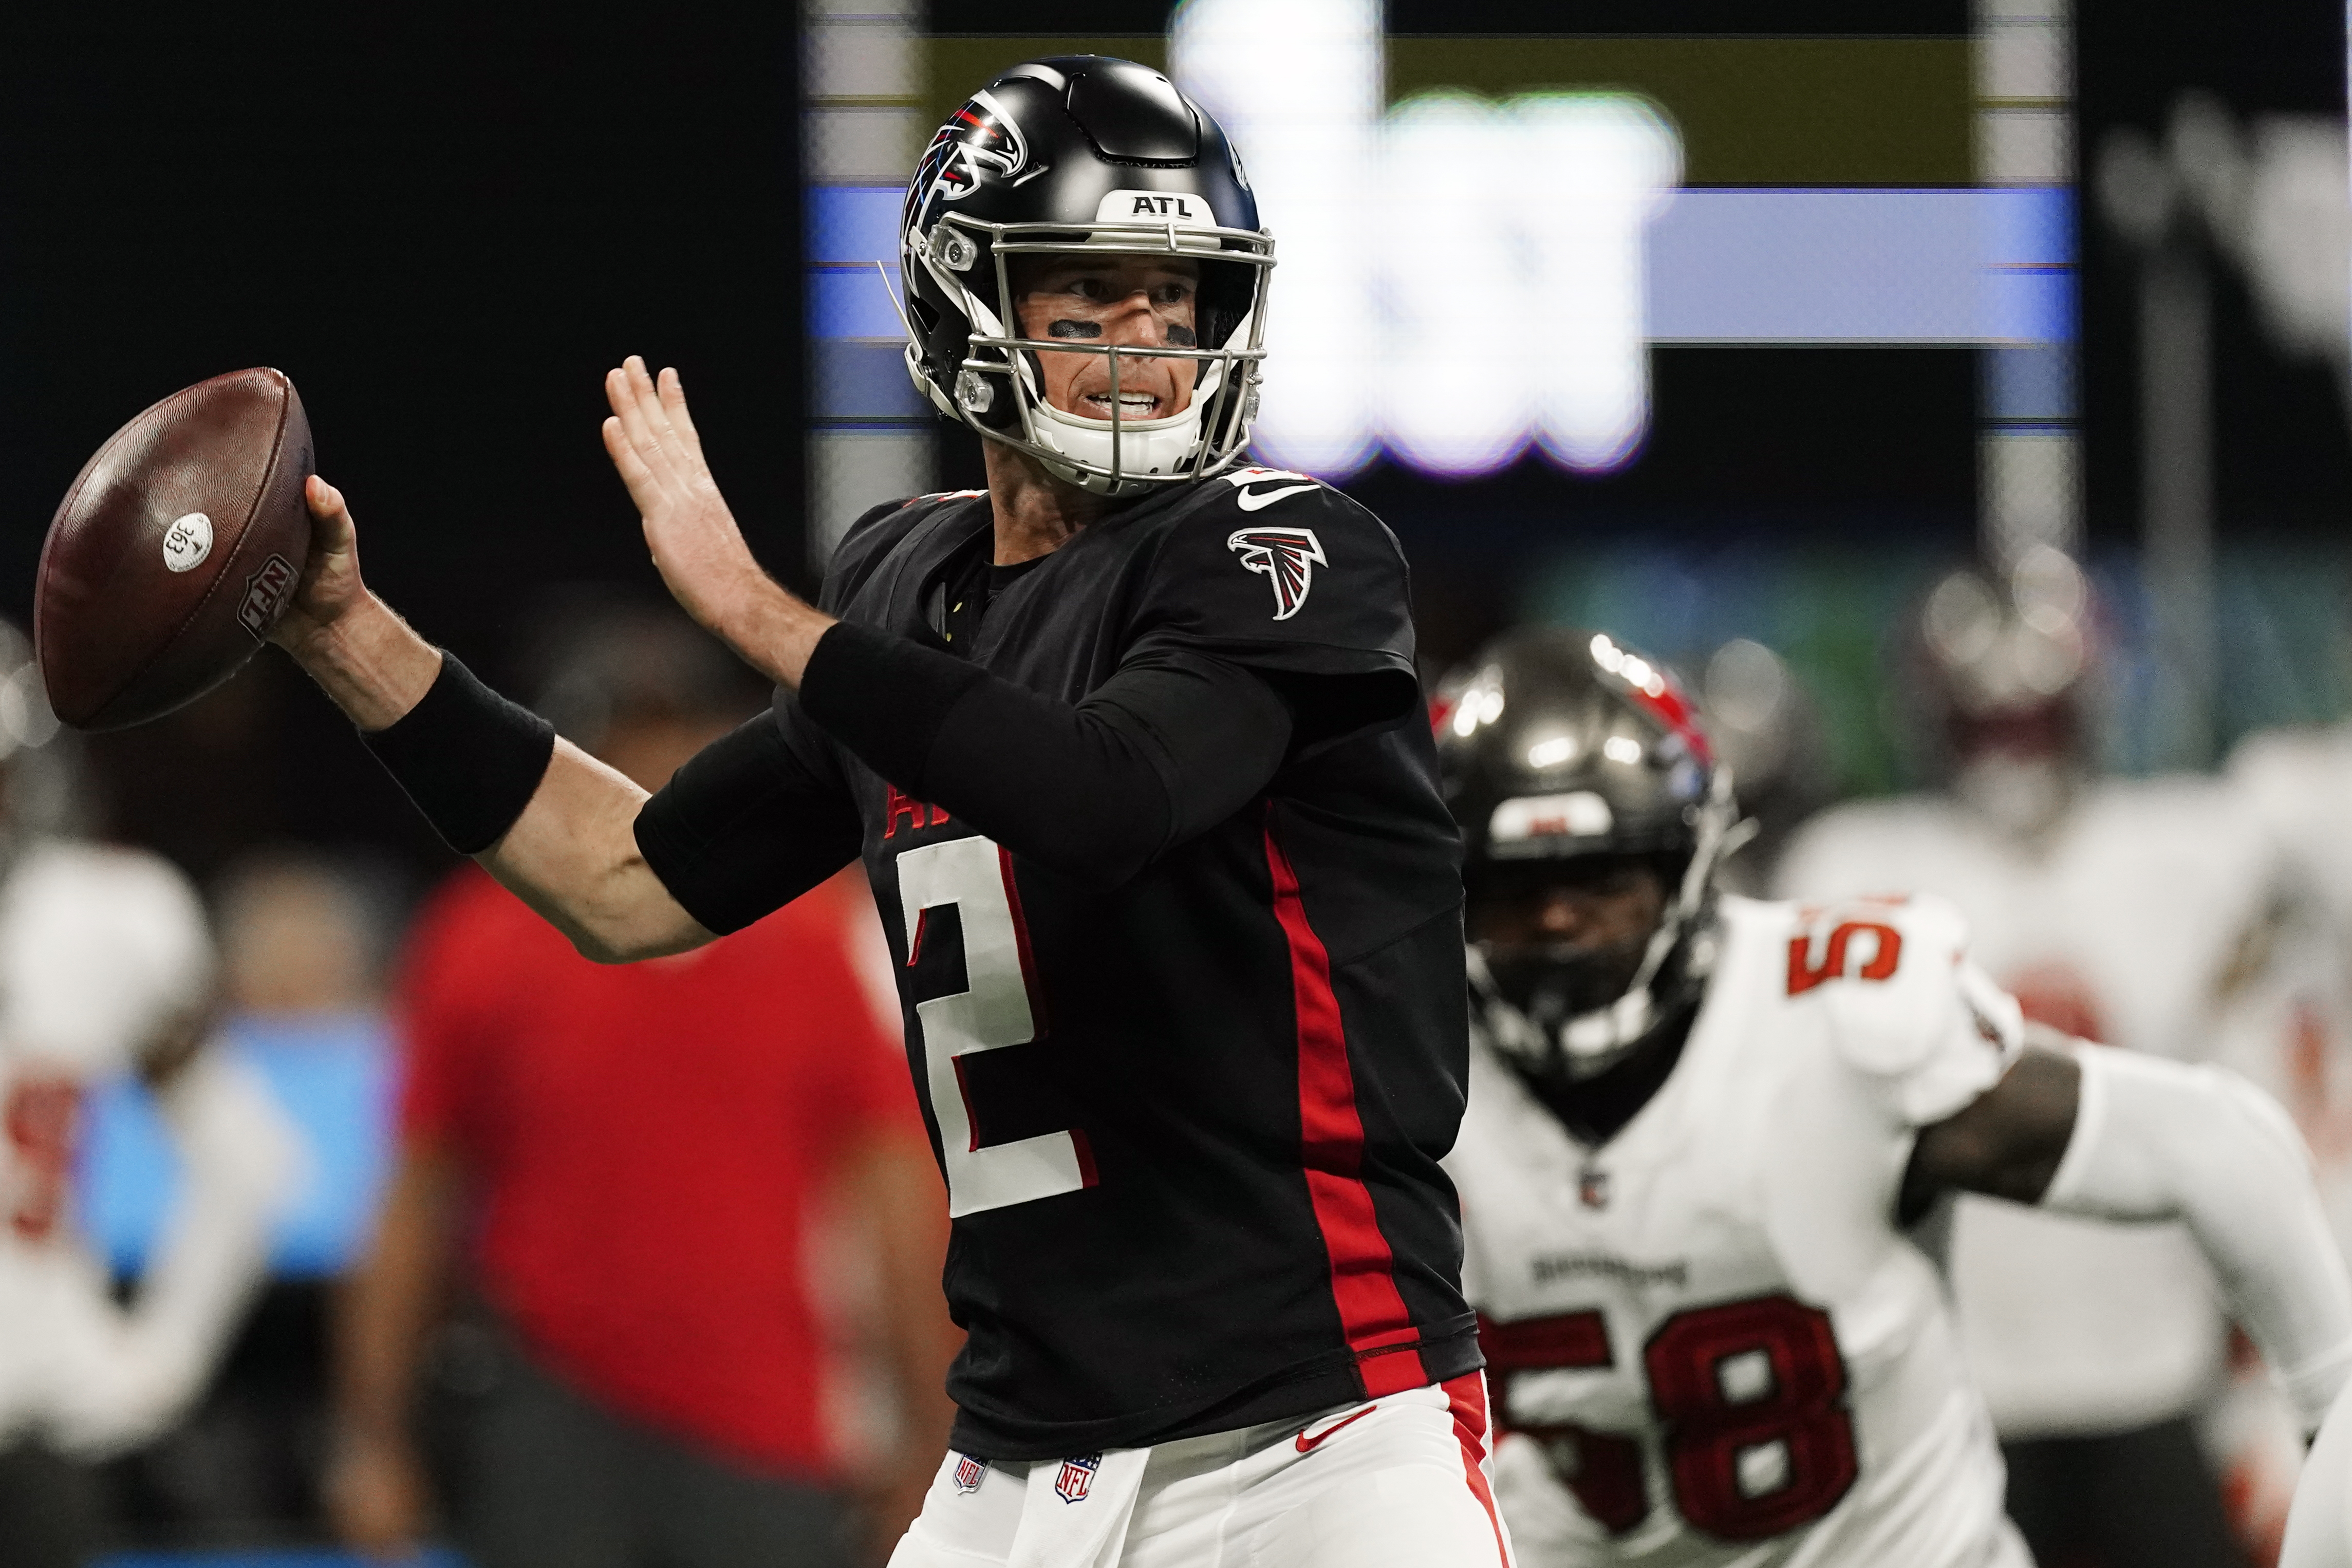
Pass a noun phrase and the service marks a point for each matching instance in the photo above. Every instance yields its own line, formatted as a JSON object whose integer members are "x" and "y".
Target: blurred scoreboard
{"x": 1478, "y": 238}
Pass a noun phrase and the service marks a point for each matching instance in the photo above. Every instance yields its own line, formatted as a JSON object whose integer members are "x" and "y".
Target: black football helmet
{"x": 1557, "y": 746}
{"x": 1079, "y": 155}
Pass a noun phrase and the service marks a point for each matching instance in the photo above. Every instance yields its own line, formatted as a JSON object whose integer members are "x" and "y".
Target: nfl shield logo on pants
{"x": 1077, "y": 1476}
{"x": 969, "y": 1473}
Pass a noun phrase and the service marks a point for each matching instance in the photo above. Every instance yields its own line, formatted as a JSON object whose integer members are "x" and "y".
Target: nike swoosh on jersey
{"x": 1254, "y": 501}
{"x": 1307, "y": 1444}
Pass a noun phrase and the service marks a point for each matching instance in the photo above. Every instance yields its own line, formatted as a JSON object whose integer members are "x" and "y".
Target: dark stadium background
{"x": 444, "y": 224}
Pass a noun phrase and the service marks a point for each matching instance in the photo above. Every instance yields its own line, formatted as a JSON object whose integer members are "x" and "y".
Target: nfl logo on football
{"x": 969, "y": 1473}
{"x": 1076, "y": 1476}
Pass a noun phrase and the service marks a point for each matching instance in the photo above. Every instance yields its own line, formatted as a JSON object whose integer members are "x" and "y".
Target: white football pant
{"x": 1402, "y": 1481}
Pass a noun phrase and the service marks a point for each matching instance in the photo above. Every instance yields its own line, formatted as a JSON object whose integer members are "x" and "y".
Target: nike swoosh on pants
{"x": 1307, "y": 1444}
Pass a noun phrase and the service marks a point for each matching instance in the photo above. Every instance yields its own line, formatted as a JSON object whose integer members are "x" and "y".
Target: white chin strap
{"x": 1586, "y": 1044}
{"x": 1136, "y": 451}
{"x": 1145, "y": 448}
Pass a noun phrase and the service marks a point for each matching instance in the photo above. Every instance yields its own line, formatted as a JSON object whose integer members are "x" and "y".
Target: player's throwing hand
{"x": 330, "y": 579}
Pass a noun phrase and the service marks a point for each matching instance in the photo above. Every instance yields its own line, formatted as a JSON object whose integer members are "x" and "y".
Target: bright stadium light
{"x": 1513, "y": 277}
{"x": 1457, "y": 382}
{"x": 1456, "y": 281}
{"x": 1297, "y": 84}
{"x": 1604, "y": 164}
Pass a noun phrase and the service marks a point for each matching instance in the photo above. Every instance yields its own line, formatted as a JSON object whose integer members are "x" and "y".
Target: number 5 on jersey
{"x": 997, "y": 1007}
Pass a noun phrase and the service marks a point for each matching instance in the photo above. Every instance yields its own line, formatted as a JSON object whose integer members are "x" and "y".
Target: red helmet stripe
{"x": 1672, "y": 708}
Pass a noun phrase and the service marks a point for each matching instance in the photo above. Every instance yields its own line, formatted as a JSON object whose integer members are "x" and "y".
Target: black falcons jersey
{"x": 1190, "y": 1125}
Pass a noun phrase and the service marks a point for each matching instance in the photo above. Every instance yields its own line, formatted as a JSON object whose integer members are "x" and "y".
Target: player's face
{"x": 1565, "y": 938}
{"x": 1601, "y": 902}
{"x": 1141, "y": 301}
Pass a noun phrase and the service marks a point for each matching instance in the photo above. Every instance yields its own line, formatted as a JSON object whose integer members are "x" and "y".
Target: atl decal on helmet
{"x": 1287, "y": 557}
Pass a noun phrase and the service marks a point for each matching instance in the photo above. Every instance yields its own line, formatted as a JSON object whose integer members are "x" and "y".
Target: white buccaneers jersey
{"x": 1708, "y": 1340}
{"x": 2125, "y": 927}
{"x": 2290, "y": 1021}
{"x": 100, "y": 950}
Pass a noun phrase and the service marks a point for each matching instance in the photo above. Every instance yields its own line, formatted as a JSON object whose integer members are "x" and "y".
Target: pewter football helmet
{"x": 1555, "y": 746}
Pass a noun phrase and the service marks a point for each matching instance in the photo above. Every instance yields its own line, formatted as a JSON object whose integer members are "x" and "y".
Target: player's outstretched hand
{"x": 695, "y": 543}
{"x": 330, "y": 582}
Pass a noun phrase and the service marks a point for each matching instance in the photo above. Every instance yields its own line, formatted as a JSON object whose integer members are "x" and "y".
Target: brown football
{"x": 175, "y": 552}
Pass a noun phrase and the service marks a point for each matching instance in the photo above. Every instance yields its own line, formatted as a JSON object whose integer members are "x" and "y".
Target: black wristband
{"x": 469, "y": 758}
{"x": 883, "y": 696}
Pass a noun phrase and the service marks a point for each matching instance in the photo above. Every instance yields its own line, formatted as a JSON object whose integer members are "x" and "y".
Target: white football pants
{"x": 1402, "y": 1481}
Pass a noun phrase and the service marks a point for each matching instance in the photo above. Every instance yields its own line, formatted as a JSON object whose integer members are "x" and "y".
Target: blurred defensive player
{"x": 2296, "y": 1033}
{"x": 2115, "y": 910}
{"x": 105, "y": 965}
{"x": 1130, "y": 743}
{"x": 1698, "y": 1125}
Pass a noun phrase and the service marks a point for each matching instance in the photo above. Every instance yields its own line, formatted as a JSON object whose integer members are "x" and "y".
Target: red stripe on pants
{"x": 1331, "y": 1133}
{"x": 1466, "y": 1398}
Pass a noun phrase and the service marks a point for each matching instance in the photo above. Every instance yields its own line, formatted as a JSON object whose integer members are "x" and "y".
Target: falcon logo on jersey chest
{"x": 1285, "y": 557}
{"x": 1077, "y": 1478}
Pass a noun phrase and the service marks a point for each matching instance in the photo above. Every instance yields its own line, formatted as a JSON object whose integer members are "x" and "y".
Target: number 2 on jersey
{"x": 1751, "y": 1398}
{"x": 996, "y": 1008}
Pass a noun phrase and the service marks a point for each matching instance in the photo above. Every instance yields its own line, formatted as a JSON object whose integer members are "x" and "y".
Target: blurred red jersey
{"x": 645, "y": 1144}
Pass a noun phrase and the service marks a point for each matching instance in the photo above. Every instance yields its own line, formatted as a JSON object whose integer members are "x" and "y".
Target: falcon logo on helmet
{"x": 1287, "y": 557}
{"x": 981, "y": 137}
{"x": 1061, "y": 158}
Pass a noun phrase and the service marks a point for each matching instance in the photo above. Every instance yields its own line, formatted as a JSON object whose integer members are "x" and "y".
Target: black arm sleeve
{"x": 750, "y": 824}
{"x": 1171, "y": 745}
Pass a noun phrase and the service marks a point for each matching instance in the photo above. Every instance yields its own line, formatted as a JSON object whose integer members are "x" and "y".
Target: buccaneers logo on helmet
{"x": 1287, "y": 557}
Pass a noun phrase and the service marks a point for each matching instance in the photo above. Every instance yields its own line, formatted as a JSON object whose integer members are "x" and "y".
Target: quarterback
{"x": 1699, "y": 1126}
{"x": 1130, "y": 743}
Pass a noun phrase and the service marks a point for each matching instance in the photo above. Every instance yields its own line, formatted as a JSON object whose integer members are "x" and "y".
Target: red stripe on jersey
{"x": 1466, "y": 1398}
{"x": 1021, "y": 942}
{"x": 1331, "y": 1136}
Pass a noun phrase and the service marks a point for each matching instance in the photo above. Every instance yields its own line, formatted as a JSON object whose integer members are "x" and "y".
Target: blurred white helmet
{"x": 100, "y": 950}
{"x": 2005, "y": 665}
